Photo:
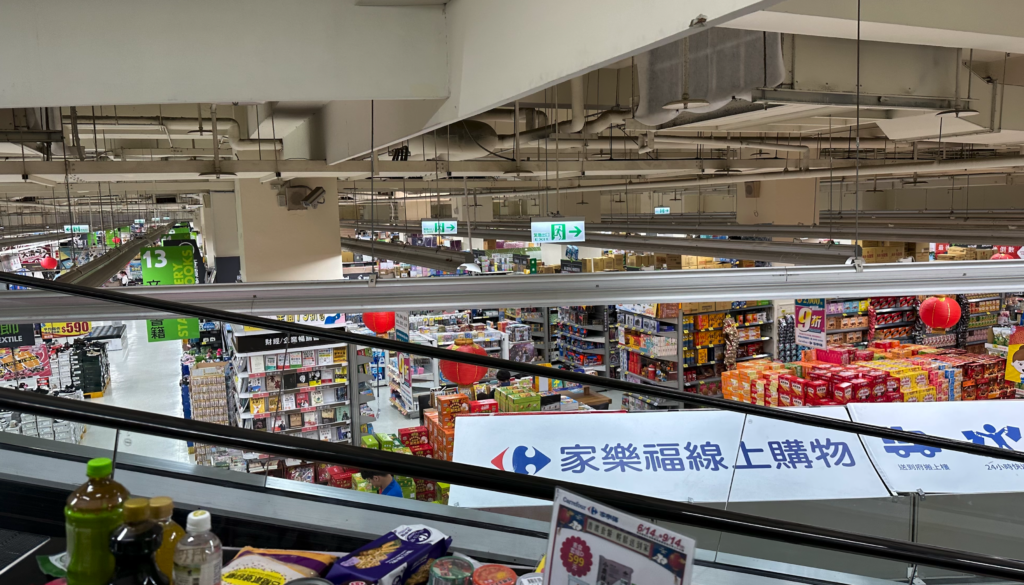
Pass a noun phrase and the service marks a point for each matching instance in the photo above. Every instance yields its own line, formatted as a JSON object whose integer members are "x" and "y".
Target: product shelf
{"x": 980, "y": 327}
{"x": 673, "y": 320}
{"x": 289, "y": 390}
{"x": 336, "y": 423}
{"x": 631, "y": 377}
{"x": 850, "y": 330}
{"x": 754, "y": 324}
{"x": 755, "y": 340}
{"x": 893, "y": 310}
{"x": 982, "y": 299}
{"x": 591, "y": 338}
{"x": 249, "y": 415}
{"x": 646, "y": 355}
{"x": 754, "y": 357}
{"x": 896, "y": 324}
{"x": 704, "y": 381}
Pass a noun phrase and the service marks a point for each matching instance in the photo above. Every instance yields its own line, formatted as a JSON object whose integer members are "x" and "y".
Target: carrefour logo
{"x": 521, "y": 462}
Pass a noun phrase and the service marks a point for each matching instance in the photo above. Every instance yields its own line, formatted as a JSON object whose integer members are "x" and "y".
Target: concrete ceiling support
{"x": 296, "y": 51}
{"x": 277, "y": 245}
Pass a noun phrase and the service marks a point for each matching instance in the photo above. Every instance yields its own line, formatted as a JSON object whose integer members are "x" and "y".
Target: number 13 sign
{"x": 168, "y": 265}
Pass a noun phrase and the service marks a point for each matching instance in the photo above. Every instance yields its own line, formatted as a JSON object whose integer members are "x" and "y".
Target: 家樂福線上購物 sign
{"x": 439, "y": 227}
{"x": 553, "y": 231}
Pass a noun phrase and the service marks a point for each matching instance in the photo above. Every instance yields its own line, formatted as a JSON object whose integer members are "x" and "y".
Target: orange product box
{"x": 422, "y": 450}
{"x": 449, "y": 406}
{"x": 771, "y": 395}
{"x": 785, "y": 396}
{"x": 412, "y": 436}
{"x": 489, "y": 405}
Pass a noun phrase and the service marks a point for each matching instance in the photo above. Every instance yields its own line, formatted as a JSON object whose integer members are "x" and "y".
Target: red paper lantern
{"x": 464, "y": 374}
{"x": 940, "y": 312}
{"x": 1002, "y": 257}
{"x": 48, "y": 263}
{"x": 379, "y": 322}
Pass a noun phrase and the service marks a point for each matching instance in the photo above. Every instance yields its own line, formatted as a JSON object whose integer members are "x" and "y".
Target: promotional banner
{"x": 171, "y": 329}
{"x": 325, "y": 320}
{"x": 24, "y": 362}
{"x": 704, "y": 456}
{"x": 782, "y": 461}
{"x": 402, "y": 325}
{"x": 810, "y": 323}
{"x": 65, "y": 329}
{"x": 168, "y": 265}
{"x": 17, "y": 335}
{"x": 906, "y": 467}
{"x": 674, "y": 455}
{"x": 593, "y": 543}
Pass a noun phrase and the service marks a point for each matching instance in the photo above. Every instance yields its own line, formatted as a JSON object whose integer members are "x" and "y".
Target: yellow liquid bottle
{"x": 160, "y": 510}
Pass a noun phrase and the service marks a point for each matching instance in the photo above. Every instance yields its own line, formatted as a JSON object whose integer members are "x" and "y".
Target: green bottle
{"x": 92, "y": 513}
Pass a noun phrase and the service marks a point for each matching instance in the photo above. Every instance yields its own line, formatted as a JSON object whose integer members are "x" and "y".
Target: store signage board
{"x": 777, "y": 456}
{"x": 810, "y": 323}
{"x": 66, "y": 329}
{"x": 76, "y": 229}
{"x": 171, "y": 329}
{"x": 24, "y": 362}
{"x": 402, "y": 325}
{"x": 325, "y": 320}
{"x": 613, "y": 450}
{"x": 168, "y": 265}
{"x": 166, "y": 218}
{"x": 180, "y": 230}
{"x": 572, "y": 267}
{"x": 906, "y": 467}
{"x": 140, "y": 221}
{"x": 275, "y": 342}
{"x": 546, "y": 230}
{"x": 590, "y": 542}
{"x": 439, "y": 227}
{"x": 662, "y": 211}
{"x": 17, "y": 335}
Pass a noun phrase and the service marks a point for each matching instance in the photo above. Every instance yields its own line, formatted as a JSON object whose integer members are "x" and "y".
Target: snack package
{"x": 257, "y": 569}
{"x": 304, "y": 563}
{"x": 400, "y": 557}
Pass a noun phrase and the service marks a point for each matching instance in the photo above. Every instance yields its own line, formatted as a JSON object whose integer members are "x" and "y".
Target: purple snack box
{"x": 400, "y": 557}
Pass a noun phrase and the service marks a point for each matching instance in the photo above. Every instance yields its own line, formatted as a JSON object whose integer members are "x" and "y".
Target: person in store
{"x": 504, "y": 378}
{"x": 384, "y": 482}
{"x": 123, "y": 277}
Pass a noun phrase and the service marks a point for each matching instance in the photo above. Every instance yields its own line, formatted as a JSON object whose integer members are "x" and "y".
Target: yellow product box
{"x": 911, "y": 395}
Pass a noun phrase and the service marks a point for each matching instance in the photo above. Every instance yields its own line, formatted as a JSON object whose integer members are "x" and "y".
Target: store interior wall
{"x": 786, "y": 202}
{"x": 279, "y": 245}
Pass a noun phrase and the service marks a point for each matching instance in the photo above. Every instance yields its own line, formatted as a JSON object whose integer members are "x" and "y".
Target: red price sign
{"x": 576, "y": 556}
{"x": 66, "y": 328}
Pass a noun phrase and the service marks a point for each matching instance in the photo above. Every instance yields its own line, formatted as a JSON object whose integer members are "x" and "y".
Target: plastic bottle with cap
{"x": 133, "y": 545}
{"x": 92, "y": 512}
{"x": 198, "y": 557}
{"x": 160, "y": 510}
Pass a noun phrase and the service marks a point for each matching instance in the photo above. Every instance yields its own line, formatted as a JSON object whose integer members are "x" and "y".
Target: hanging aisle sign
{"x": 171, "y": 329}
{"x": 17, "y": 335}
{"x": 439, "y": 227}
{"x": 810, "y": 323}
{"x": 168, "y": 265}
{"x": 76, "y": 229}
{"x": 590, "y": 542}
{"x": 662, "y": 211}
{"x": 552, "y": 231}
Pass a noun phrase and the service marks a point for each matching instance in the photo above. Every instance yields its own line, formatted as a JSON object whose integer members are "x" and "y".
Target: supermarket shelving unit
{"x": 600, "y": 329}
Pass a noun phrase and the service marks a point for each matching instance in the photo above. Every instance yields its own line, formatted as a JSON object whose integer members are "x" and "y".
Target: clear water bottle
{"x": 198, "y": 556}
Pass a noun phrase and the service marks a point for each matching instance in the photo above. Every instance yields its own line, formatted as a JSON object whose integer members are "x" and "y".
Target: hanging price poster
{"x": 168, "y": 265}
{"x": 171, "y": 329}
{"x": 810, "y": 323}
{"x": 65, "y": 329}
{"x": 24, "y": 362}
{"x": 593, "y": 543}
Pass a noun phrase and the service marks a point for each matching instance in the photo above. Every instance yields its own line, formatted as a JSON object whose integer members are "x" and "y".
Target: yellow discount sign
{"x": 66, "y": 328}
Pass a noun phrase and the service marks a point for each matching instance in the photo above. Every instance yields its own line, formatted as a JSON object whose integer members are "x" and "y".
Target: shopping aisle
{"x": 143, "y": 376}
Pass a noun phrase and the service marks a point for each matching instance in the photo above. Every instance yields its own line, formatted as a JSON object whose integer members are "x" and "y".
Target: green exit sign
{"x": 439, "y": 227}
{"x": 552, "y": 231}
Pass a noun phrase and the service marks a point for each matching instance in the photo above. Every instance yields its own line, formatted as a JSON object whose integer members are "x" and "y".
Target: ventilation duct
{"x": 723, "y": 64}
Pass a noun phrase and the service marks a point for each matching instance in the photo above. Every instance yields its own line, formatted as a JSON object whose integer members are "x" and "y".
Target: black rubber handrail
{"x": 334, "y": 335}
{"x": 510, "y": 483}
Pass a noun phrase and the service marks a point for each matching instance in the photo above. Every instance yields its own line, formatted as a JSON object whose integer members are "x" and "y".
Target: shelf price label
{"x": 810, "y": 323}
{"x": 66, "y": 329}
{"x": 439, "y": 227}
{"x": 550, "y": 231}
{"x": 168, "y": 265}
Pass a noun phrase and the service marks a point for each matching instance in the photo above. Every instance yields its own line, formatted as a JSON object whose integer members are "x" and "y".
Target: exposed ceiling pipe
{"x": 228, "y": 127}
{"x": 436, "y": 258}
{"x": 533, "y": 117}
{"x": 945, "y": 166}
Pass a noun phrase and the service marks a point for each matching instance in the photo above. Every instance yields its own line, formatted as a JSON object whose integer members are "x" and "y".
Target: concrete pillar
{"x": 278, "y": 245}
{"x": 219, "y": 228}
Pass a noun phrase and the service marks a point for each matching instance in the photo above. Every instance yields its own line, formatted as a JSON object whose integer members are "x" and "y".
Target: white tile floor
{"x": 143, "y": 376}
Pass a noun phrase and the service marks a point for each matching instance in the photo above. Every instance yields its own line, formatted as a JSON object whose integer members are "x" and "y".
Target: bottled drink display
{"x": 160, "y": 510}
{"x": 198, "y": 557}
{"x": 133, "y": 545}
{"x": 92, "y": 512}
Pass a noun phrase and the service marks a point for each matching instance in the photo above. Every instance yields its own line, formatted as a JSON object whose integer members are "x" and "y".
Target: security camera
{"x": 314, "y": 198}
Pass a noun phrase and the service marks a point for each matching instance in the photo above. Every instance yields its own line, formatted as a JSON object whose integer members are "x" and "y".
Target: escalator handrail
{"x": 781, "y": 414}
{"x": 510, "y": 483}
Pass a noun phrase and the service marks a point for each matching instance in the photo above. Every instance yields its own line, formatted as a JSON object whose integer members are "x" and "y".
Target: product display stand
{"x": 585, "y": 331}
{"x": 410, "y": 376}
{"x": 361, "y": 388}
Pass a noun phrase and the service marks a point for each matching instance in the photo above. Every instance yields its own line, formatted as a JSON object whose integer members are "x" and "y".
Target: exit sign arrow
{"x": 576, "y": 231}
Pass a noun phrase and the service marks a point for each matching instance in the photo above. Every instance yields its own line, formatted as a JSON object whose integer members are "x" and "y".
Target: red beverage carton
{"x": 412, "y": 436}
{"x": 818, "y": 389}
{"x": 843, "y": 392}
{"x": 489, "y": 405}
{"x": 861, "y": 390}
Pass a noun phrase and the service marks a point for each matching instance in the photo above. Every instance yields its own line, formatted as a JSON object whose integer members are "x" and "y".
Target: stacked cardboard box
{"x": 442, "y": 439}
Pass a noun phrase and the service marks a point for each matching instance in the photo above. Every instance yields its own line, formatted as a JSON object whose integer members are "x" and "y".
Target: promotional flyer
{"x": 591, "y": 543}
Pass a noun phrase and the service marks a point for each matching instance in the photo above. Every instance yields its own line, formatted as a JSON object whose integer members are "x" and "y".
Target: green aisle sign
{"x": 171, "y": 329}
{"x": 91, "y": 239}
{"x": 180, "y": 230}
{"x": 168, "y": 265}
{"x": 552, "y": 231}
{"x": 438, "y": 227}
